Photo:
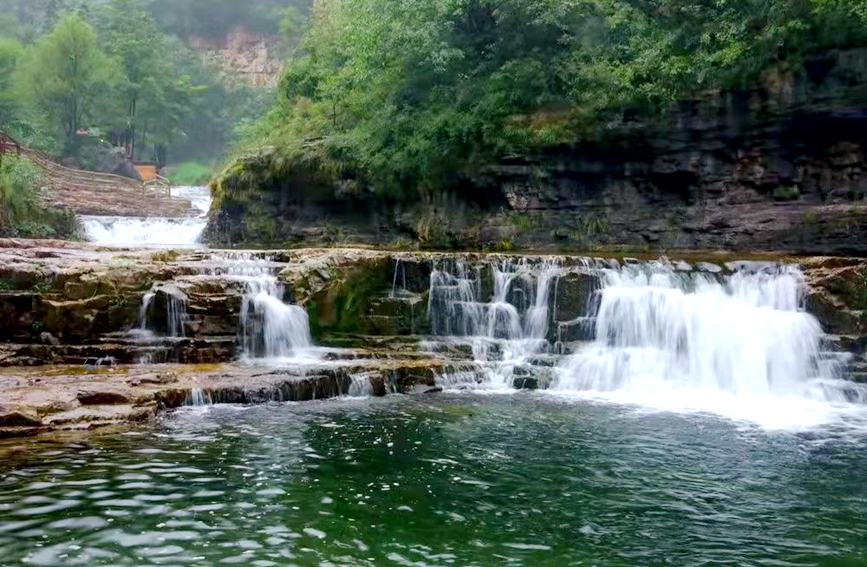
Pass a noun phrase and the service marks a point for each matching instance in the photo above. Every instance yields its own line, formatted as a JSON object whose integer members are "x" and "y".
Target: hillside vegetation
{"x": 126, "y": 72}
{"x": 402, "y": 97}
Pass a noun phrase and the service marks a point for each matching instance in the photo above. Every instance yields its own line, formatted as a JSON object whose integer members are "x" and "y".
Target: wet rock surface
{"x": 93, "y": 336}
{"x": 39, "y": 400}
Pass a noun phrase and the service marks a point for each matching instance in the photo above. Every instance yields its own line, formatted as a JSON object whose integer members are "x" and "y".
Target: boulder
{"x": 12, "y": 416}
{"x": 574, "y": 294}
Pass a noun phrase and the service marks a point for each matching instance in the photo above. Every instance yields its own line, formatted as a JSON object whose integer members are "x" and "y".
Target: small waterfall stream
{"x": 504, "y": 331}
{"x": 270, "y": 328}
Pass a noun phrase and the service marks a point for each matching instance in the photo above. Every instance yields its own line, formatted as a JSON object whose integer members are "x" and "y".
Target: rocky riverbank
{"x": 60, "y": 398}
{"x": 94, "y": 336}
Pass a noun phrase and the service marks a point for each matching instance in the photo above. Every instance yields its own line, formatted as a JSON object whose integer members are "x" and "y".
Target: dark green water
{"x": 453, "y": 480}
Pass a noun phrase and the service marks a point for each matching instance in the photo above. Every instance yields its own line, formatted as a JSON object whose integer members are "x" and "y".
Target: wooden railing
{"x": 158, "y": 185}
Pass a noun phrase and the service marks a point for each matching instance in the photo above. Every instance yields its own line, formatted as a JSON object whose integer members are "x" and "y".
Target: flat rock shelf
{"x": 93, "y": 335}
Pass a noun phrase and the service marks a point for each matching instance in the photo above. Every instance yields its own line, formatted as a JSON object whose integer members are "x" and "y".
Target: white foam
{"x": 744, "y": 348}
{"x": 272, "y": 331}
{"x": 153, "y": 231}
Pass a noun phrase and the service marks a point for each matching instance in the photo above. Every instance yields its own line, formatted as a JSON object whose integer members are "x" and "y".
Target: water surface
{"x": 467, "y": 479}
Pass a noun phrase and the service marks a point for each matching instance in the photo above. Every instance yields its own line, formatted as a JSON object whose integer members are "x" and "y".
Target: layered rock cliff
{"x": 782, "y": 166}
{"x": 244, "y": 58}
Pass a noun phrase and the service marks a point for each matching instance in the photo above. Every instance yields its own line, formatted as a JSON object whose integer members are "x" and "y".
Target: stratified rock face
{"x": 243, "y": 57}
{"x": 782, "y": 167}
{"x": 73, "y": 303}
{"x": 72, "y": 397}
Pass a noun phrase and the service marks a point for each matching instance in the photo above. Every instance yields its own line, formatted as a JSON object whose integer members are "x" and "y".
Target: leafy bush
{"x": 23, "y": 211}
{"x": 20, "y": 181}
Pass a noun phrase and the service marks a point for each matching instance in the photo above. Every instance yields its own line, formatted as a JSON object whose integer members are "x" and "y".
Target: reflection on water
{"x": 456, "y": 480}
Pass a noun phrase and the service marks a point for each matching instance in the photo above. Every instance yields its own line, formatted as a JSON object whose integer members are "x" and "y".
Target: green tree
{"x": 11, "y": 53}
{"x": 132, "y": 38}
{"x": 66, "y": 74}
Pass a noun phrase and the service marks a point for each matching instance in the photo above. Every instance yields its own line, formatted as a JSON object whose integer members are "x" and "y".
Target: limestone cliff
{"x": 245, "y": 59}
{"x": 782, "y": 166}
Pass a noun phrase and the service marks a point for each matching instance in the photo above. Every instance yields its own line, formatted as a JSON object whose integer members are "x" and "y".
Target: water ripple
{"x": 455, "y": 480}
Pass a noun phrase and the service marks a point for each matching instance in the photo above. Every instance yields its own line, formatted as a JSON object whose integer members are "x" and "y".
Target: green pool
{"x": 459, "y": 479}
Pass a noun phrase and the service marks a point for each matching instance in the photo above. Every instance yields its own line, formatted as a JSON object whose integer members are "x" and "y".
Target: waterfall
{"x": 129, "y": 231}
{"x": 269, "y": 328}
{"x": 395, "y": 290}
{"x": 154, "y": 231}
{"x": 360, "y": 386}
{"x": 143, "y": 311}
{"x": 504, "y": 330}
{"x": 199, "y": 398}
{"x": 175, "y": 312}
{"x": 727, "y": 344}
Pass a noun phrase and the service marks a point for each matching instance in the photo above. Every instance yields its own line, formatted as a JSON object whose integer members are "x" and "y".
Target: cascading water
{"x": 146, "y": 302}
{"x": 198, "y": 398}
{"x": 176, "y": 314}
{"x": 740, "y": 345}
{"x": 172, "y": 308}
{"x": 502, "y": 332}
{"x": 126, "y": 231}
{"x": 270, "y": 328}
{"x": 360, "y": 386}
{"x": 131, "y": 231}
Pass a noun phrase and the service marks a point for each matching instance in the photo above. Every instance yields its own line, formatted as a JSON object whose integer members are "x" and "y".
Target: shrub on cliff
{"x": 411, "y": 95}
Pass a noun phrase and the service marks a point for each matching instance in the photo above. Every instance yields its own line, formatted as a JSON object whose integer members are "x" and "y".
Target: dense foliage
{"x": 407, "y": 94}
{"x": 80, "y": 76}
{"x": 128, "y": 71}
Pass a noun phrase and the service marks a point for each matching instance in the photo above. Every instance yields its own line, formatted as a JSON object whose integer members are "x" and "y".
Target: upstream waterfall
{"x": 132, "y": 231}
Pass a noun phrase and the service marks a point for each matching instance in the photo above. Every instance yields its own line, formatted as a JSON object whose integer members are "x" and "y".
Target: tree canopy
{"x": 66, "y": 73}
{"x": 409, "y": 93}
{"x": 130, "y": 69}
